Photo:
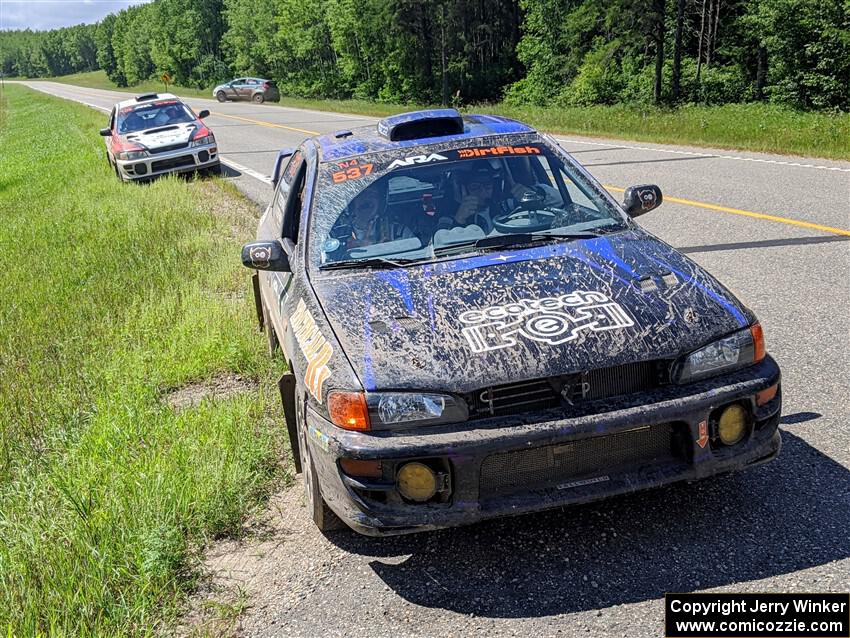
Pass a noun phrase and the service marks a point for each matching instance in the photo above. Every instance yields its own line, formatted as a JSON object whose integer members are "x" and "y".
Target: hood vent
{"x": 650, "y": 282}
{"x": 647, "y": 284}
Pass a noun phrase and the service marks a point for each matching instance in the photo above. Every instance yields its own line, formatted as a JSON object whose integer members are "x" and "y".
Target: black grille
{"x": 515, "y": 398}
{"x": 175, "y": 162}
{"x": 554, "y": 392}
{"x": 554, "y": 465}
{"x": 166, "y": 149}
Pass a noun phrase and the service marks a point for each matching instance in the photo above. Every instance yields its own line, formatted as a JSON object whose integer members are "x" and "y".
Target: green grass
{"x": 753, "y": 127}
{"x": 98, "y": 80}
{"x": 113, "y": 294}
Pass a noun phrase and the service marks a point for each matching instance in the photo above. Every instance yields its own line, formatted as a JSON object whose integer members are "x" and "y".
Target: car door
{"x": 234, "y": 89}
{"x": 282, "y": 221}
{"x": 245, "y": 89}
{"x": 112, "y": 125}
{"x": 251, "y": 85}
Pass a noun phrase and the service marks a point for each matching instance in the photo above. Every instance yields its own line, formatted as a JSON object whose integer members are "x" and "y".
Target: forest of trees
{"x": 555, "y": 52}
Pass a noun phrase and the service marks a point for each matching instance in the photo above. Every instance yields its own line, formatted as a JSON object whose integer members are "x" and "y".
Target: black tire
{"x": 258, "y": 98}
{"x": 271, "y": 335}
{"x": 322, "y": 515}
{"x": 221, "y": 97}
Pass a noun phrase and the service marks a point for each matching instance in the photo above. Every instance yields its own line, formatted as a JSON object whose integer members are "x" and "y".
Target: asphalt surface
{"x": 602, "y": 569}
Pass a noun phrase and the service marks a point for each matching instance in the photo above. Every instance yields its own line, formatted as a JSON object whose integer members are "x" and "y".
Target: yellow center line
{"x": 262, "y": 123}
{"x": 747, "y": 213}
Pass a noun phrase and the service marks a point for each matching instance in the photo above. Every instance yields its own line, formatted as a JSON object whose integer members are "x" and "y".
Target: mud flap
{"x": 258, "y": 300}
{"x": 286, "y": 385}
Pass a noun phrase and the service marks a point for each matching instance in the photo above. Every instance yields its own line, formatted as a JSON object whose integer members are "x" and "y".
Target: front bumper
{"x": 177, "y": 161}
{"x": 555, "y": 455}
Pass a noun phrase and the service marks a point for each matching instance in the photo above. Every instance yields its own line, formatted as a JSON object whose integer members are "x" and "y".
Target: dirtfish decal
{"x": 315, "y": 348}
{"x": 552, "y": 320}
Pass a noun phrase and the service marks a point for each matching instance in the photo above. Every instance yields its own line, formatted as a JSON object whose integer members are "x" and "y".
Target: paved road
{"x": 775, "y": 229}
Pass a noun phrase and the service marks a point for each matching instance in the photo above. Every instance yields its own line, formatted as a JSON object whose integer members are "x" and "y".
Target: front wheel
{"x": 317, "y": 509}
{"x": 221, "y": 97}
{"x": 258, "y": 98}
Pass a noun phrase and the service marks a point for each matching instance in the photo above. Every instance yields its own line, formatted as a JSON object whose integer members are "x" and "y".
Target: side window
{"x": 292, "y": 168}
{"x": 287, "y": 209}
{"x": 112, "y": 120}
{"x": 577, "y": 193}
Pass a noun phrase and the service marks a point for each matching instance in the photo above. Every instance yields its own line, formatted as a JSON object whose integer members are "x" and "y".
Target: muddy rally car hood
{"x": 525, "y": 314}
{"x": 160, "y": 136}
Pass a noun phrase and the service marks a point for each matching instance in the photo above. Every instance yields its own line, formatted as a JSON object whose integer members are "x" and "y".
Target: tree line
{"x": 547, "y": 52}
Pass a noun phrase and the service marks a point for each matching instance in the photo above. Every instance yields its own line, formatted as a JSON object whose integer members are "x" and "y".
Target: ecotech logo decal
{"x": 315, "y": 348}
{"x": 552, "y": 320}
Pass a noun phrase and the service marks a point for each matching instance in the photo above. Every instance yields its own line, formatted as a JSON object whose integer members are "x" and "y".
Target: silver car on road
{"x": 256, "y": 90}
{"x": 158, "y": 133}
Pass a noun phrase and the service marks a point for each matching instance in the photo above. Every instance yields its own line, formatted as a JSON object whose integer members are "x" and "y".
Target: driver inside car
{"x": 369, "y": 222}
{"x": 485, "y": 194}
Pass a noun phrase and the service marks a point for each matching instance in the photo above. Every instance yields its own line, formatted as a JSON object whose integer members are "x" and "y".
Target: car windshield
{"x": 144, "y": 116}
{"x": 426, "y": 202}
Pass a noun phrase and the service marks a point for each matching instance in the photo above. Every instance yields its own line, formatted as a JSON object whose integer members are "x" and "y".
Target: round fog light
{"x": 416, "y": 482}
{"x": 732, "y": 425}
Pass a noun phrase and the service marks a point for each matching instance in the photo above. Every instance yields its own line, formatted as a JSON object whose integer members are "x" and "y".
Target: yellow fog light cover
{"x": 416, "y": 482}
{"x": 732, "y": 425}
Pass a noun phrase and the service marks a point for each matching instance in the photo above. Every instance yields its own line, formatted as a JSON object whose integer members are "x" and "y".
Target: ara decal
{"x": 552, "y": 320}
{"x": 416, "y": 159}
{"x": 315, "y": 348}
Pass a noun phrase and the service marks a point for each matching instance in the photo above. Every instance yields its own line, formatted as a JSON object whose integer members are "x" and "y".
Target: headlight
{"x": 203, "y": 141}
{"x": 132, "y": 155}
{"x": 391, "y": 410}
{"x": 738, "y": 350}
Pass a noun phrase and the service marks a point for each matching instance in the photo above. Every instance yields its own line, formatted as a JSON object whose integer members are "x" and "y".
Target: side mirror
{"x": 203, "y": 114}
{"x": 106, "y": 132}
{"x": 265, "y": 255}
{"x": 278, "y": 164}
{"x": 638, "y": 200}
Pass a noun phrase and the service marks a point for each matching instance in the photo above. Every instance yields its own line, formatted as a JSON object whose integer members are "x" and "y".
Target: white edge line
{"x": 617, "y": 144}
{"x": 244, "y": 169}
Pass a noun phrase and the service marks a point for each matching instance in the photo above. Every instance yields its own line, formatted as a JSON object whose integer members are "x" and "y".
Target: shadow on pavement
{"x": 766, "y": 243}
{"x": 651, "y": 161}
{"x": 775, "y": 519}
{"x": 229, "y": 171}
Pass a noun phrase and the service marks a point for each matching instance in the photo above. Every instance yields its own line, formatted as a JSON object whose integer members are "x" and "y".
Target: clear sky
{"x": 51, "y": 14}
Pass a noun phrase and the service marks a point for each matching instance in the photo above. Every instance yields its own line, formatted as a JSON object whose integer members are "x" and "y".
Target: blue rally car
{"x": 475, "y": 328}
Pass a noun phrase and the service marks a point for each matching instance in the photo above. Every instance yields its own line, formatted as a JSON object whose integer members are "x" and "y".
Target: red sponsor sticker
{"x": 496, "y": 151}
{"x": 354, "y": 172}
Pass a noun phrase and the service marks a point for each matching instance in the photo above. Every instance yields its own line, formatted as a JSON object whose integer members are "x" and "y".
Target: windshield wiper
{"x": 502, "y": 241}
{"x": 369, "y": 262}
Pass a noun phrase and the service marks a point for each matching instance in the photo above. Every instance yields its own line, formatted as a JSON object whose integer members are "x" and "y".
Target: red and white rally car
{"x": 158, "y": 133}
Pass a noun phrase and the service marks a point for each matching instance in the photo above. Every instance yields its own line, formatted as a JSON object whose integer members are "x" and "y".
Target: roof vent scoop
{"x": 146, "y": 97}
{"x": 421, "y": 124}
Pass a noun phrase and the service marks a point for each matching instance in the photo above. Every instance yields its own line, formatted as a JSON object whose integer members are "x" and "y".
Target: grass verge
{"x": 753, "y": 127}
{"x": 112, "y": 295}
